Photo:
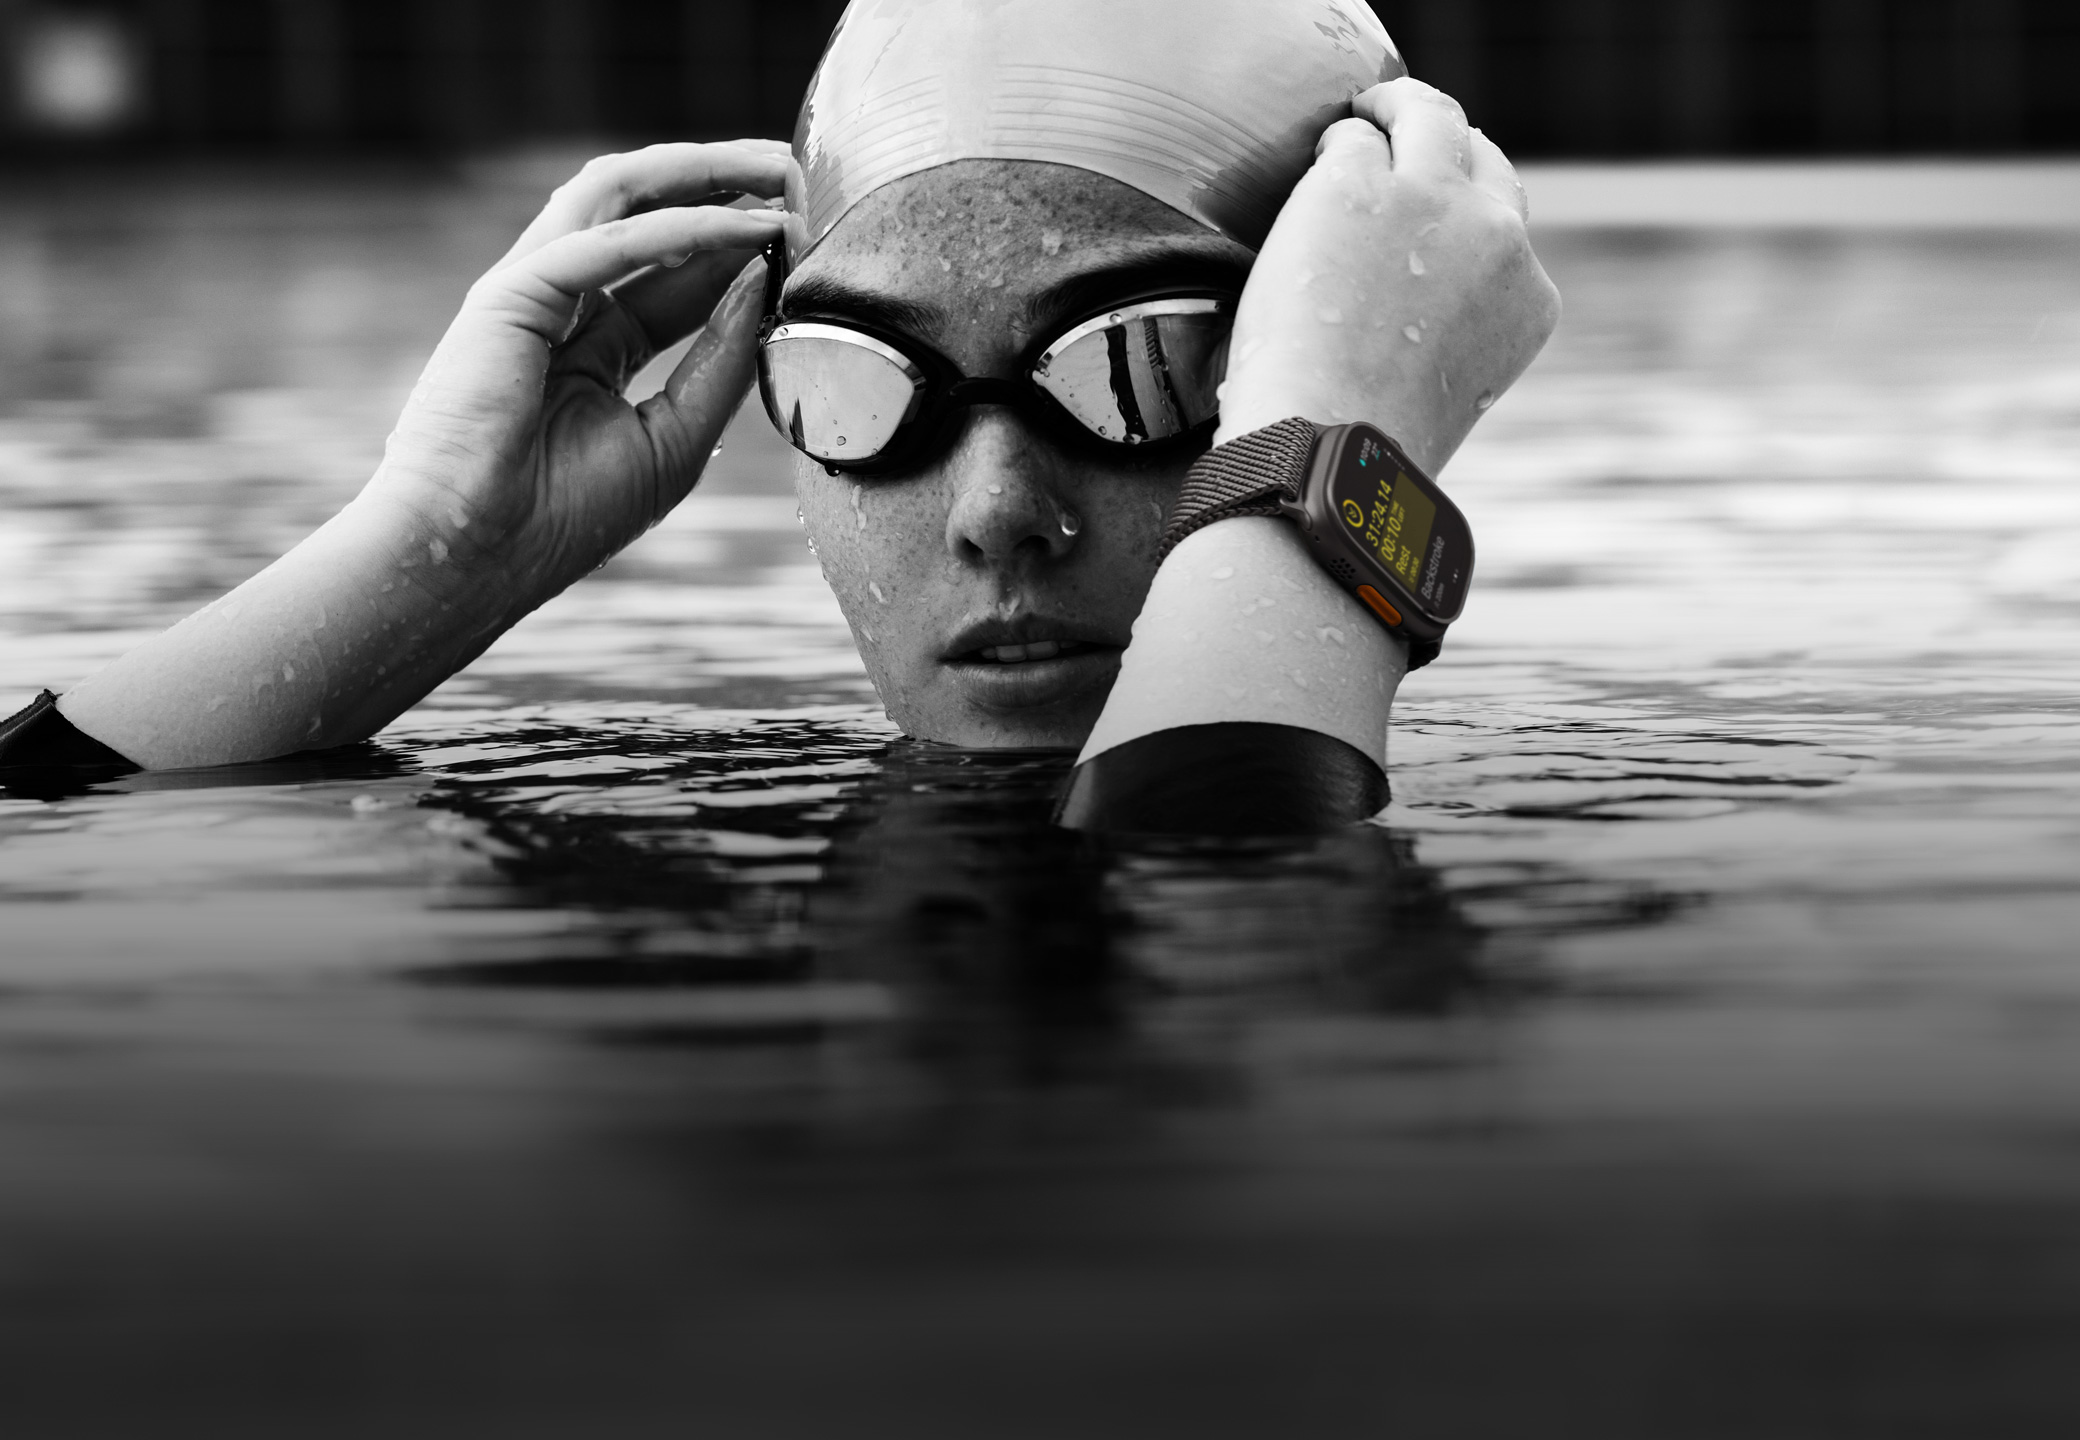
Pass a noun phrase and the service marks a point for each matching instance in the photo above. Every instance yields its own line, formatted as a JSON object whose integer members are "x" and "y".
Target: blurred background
{"x": 1549, "y": 77}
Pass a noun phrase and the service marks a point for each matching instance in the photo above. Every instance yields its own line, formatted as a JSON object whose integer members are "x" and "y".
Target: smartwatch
{"x": 1378, "y": 525}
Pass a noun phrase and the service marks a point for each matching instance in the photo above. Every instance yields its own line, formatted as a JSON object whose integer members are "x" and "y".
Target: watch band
{"x": 1257, "y": 474}
{"x": 1250, "y": 475}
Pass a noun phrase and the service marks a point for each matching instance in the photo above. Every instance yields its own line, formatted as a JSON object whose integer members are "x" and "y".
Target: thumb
{"x": 687, "y": 417}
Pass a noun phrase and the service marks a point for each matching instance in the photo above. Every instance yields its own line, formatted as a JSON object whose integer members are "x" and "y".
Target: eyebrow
{"x": 824, "y": 295}
{"x": 1165, "y": 270}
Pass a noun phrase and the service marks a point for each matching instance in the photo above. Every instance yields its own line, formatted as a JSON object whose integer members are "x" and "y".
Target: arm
{"x": 1398, "y": 287}
{"x": 515, "y": 469}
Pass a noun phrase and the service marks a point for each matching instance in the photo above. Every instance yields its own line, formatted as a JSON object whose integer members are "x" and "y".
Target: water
{"x": 639, "y": 1036}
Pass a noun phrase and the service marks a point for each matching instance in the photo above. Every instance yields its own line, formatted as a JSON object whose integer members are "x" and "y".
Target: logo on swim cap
{"x": 1353, "y": 516}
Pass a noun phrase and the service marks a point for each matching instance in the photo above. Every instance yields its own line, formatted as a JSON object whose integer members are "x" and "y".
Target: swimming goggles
{"x": 863, "y": 401}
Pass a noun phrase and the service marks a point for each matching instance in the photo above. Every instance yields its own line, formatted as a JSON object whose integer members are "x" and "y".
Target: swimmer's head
{"x": 977, "y": 176}
{"x": 1212, "y": 107}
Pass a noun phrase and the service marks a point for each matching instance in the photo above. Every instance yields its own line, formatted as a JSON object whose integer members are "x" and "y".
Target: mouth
{"x": 1028, "y": 664}
{"x": 1024, "y": 654}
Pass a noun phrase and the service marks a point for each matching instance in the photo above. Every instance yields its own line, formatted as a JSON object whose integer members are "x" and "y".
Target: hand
{"x": 1398, "y": 285}
{"x": 517, "y": 466}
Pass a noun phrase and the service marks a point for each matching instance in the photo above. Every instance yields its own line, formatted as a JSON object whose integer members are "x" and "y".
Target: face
{"x": 992, "y": 588}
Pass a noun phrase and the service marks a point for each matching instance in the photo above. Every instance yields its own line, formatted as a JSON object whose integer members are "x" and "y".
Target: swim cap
{"x": 1211, "y": 106}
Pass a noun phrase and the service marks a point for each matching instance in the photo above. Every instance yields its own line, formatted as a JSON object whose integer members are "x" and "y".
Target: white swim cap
{"x": 1211, "y": 106}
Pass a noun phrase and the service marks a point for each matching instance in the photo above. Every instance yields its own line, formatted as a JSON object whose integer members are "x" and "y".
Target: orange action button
{"x": 1379, "y": 604}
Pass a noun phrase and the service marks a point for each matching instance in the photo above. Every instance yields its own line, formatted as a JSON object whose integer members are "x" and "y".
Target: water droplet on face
{"x": 799, "y": 517}
{"x": 1415, "y": 264}
{"x": 1487, "y": 399}
{"x": 996, "y": 489}
{"x": 1226, "y": 572}
{"x": 875, "y": 590}
{"x": 1329, "y": 315}
{"x": 841, "y": 441}
{"x": 1414, "y": 335}
{"x": 1050, "y": 242}
{"x": 1071, "y": 524}
{"x": 716, "y": 451}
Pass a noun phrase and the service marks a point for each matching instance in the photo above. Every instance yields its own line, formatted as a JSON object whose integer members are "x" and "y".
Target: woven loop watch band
{"x": 1248, "y": 475}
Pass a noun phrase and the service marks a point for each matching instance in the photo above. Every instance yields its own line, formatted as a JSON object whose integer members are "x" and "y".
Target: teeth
{"x": 1038, "y": 650}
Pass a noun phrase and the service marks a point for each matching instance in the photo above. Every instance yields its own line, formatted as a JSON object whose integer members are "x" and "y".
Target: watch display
{"x": 1382, "y": 526}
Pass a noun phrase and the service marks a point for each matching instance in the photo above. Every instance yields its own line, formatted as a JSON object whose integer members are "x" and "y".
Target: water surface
{"x": 639, "y": 1036}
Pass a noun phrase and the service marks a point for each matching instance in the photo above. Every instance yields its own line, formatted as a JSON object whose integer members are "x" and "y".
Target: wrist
{"x": 1422, "y": 424}
{"x": 1241, "y": 625}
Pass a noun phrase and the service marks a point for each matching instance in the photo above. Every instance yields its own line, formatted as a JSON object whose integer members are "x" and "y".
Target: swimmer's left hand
{"x": 1398, "y": 285}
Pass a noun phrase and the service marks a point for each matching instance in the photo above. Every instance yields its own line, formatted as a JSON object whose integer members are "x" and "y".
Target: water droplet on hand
{"x": 874, "y": 589}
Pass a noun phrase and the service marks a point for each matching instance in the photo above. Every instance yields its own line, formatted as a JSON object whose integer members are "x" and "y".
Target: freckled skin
{"x": 975, "y": 240}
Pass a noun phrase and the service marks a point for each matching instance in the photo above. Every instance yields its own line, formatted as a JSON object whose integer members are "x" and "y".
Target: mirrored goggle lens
{"x": 1143, "y": 372}
{"x": 837, "y": 394}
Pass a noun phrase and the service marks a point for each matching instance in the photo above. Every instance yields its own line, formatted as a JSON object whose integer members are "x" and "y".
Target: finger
{"x": 1493, "y": 173}
{"x": 1426, "y": 126}
{"x": 613, "y": 187}
{"x": 540, "y": 292}
{"x": 687, "y": 417}
{"x": 640, "y": 317}
{"x": 1357, "y": 140}
{"x": 671, "y": 304}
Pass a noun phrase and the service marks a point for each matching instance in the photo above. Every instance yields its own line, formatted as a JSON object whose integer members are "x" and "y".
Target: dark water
{"x": 640, "y": 1038}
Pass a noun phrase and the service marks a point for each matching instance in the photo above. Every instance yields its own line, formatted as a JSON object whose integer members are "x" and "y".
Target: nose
{"x": 1007, "y": 494}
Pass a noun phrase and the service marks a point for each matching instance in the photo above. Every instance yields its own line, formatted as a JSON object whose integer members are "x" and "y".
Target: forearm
{"x": 324, "y": 647}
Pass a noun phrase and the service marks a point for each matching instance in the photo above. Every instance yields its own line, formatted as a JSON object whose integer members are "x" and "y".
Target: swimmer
{"x": 969, "y": 184}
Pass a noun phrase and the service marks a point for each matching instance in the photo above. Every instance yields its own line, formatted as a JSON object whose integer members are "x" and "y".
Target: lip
{"x": 1062, "y": 660}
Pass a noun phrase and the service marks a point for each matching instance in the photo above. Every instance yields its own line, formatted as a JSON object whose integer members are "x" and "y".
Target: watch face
{"x": 1410, "y": 534}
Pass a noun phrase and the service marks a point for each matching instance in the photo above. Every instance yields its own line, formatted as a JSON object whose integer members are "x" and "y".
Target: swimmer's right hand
{"x": 516, "y": 468}
{"x": 516, "y": 455}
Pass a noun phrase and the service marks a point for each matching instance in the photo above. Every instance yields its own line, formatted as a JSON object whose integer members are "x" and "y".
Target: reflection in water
{"x": 640, "y": 1035}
